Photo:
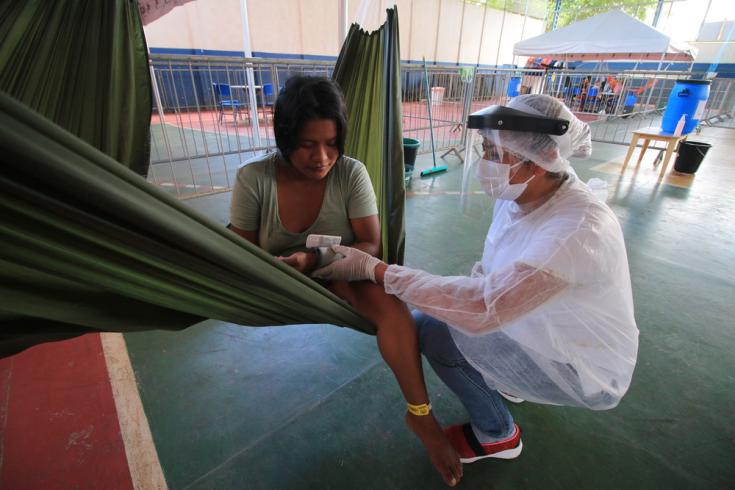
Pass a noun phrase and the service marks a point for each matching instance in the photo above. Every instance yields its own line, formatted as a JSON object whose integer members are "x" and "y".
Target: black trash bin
{"x": 410, "y": 148}
{"x": 690, "y": 156}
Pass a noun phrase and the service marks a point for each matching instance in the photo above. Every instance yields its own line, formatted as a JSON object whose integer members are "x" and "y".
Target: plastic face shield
{"x": 507, "y": 119}
{"x": 484, "y": 141}
{"x": 480, "y": 181}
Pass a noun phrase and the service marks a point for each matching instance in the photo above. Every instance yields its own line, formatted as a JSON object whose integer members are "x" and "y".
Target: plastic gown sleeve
{"x": 475, "y": 305}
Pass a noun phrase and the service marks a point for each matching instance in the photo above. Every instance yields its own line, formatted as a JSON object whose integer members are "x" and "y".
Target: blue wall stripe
{"x": 179, "y": 89}
{"x": 725, "y": 70}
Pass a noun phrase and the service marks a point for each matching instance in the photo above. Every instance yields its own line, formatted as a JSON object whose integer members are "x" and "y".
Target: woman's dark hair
{"x": 303, "y": 99}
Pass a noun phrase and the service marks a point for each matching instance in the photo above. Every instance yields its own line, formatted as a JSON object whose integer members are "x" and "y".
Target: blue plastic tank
{"x": 687, "y": 97}
{"x": 513, "y": 86}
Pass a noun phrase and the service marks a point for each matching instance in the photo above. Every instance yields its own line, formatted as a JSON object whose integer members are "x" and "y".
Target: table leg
{"x": 646, "y": 142}
{"x": 631, "y": 148}
{"x": 669, "y": 150}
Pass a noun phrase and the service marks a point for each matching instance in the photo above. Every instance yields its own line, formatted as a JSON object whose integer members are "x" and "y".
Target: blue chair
{"x": 268, "y": 94}
{"x": 591, "y": 102}
{"x": 223, "y": 98}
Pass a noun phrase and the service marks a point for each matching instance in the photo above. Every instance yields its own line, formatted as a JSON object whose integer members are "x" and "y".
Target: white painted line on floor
{"x": 145, "y": 467}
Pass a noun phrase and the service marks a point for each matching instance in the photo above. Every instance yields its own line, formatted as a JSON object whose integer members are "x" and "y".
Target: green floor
{"x": 313, "y": 406}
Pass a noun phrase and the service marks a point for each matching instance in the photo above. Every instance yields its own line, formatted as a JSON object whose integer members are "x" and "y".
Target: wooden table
{"x": 648, "y": 135}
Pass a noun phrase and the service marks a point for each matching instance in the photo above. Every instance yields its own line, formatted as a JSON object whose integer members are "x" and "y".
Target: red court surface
{"x": 58, "y": 423}
{"x": 446, "y": 120}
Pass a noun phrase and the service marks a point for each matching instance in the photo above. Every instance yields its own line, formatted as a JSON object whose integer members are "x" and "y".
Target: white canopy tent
{"x": 613, "y": 35}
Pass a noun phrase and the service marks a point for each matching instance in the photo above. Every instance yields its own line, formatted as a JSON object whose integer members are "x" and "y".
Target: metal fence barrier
{"x": 453, "y": 94}
{"x": 720, "y": 108}
{"x": 212, "y": 113}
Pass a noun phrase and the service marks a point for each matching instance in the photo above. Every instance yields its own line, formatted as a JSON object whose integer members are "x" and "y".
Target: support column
{"x": 343, "y": 23}
{"x": 247, "y": 48}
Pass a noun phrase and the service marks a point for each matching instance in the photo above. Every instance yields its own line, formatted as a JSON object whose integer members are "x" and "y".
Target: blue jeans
{"x": 485, "y": 406}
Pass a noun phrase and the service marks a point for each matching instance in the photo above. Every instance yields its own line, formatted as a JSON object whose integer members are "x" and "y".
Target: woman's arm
{"x": 301, "y": 261}
{"x": 367, "y": 234}
{"x": 251, "y": 236}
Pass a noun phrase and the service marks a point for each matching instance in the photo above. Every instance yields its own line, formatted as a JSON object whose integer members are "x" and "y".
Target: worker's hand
{"x": 355, "y": 266}
{"x": 301, "y": 261}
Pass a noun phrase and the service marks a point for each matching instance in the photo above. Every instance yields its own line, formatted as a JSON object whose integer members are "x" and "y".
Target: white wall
{"x": 435, "y": 29}
{"x": 203, "y": 24}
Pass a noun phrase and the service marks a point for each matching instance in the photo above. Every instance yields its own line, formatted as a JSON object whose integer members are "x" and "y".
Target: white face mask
{"x": 494, "y": 178}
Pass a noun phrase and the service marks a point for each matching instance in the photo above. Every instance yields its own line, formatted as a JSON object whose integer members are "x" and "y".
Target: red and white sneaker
{"x": 464, "y": 441}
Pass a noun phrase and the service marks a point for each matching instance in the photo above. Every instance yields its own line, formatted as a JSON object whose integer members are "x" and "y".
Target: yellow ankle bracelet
{"x": 420, "y": 410}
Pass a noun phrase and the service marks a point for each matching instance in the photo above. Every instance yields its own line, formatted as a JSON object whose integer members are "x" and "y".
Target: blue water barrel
{"x": 513, "y": 86}
{"x": 687, "y": 97}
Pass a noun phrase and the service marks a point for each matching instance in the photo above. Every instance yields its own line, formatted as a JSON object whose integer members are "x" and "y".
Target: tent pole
{"x": 555, "y": 21}
{"x": 561, "y": 77}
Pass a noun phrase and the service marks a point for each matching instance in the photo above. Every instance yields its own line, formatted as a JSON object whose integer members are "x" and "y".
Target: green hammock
{"x": 368, "y": 70}
{"x": 86, "y": 243}
{"x": 84, "y": 65}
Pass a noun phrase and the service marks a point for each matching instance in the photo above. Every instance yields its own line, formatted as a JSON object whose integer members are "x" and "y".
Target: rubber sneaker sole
{"x": 469, "y": 449}
{"x": 507, "y": 454}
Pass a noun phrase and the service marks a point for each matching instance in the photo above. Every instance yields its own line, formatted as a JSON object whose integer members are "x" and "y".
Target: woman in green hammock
{"x": 310, "y": 187}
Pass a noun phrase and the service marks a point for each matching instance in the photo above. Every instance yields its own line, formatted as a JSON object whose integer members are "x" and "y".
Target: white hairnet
{"x": 550, "y": 152}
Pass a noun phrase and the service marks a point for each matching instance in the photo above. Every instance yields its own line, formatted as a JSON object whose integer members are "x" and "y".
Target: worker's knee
{"x": 435, "y": 340}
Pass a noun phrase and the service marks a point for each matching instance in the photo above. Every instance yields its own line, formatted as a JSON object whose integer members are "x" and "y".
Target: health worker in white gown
{"x": 546, "y": 315}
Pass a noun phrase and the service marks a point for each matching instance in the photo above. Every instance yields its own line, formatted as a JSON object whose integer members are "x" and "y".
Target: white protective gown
{"x": 547, "y": 315}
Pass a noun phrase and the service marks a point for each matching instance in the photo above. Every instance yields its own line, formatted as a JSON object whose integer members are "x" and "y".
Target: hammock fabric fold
{"x": 368, "y": 70}
{"x": 84, "y": 65}
{"x": 89, "y": 245}
{"x": 86, "y": 244}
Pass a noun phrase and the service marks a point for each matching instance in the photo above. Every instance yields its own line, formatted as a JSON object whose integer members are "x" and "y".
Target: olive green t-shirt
{"x": 254, "y": 206}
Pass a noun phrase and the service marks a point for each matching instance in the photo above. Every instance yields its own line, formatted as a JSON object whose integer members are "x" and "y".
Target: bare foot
{"x": 443, "y": 456}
